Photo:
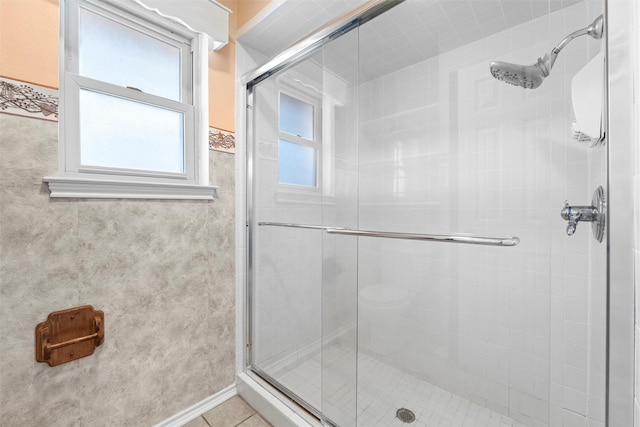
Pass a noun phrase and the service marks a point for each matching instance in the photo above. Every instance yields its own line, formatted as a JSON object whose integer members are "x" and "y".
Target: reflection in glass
{"x": 296, "y": 117}
{"x": 297, "y": 164}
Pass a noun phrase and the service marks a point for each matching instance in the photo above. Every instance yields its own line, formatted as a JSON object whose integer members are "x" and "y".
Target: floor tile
{"x": 381, "y": 391}
{"x": 229, "y": 414}
{"x": 255, "y": 421}
{"x": 198, "y": 422}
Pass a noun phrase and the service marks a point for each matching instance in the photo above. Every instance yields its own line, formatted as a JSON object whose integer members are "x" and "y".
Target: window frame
{"x": 89, "y": 181}
{"x": 316, "y": 143}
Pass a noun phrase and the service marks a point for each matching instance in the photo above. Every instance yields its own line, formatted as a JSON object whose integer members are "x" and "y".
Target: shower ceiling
{"x": 416, "y": 31}
{"x": 291, "y": 21}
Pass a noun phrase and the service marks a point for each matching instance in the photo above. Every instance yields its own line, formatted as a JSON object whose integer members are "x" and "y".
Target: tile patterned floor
{"x": 382, "y": 390}
{"x": 235, "y": 412}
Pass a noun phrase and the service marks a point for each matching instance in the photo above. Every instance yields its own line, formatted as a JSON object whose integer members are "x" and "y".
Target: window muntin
{"x": 299, "y": 140}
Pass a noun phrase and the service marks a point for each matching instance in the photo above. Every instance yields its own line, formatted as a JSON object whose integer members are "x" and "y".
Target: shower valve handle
{"x": 575, "y": 214}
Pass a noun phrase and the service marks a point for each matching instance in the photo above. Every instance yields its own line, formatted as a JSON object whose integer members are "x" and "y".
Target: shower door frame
{"x": 620, "y": 357}
{"x": 620, "y": 305}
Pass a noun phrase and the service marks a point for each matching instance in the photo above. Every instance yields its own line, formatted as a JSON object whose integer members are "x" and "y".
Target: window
{"x": 133, "y": 105}
{"x": 299, "y": 146}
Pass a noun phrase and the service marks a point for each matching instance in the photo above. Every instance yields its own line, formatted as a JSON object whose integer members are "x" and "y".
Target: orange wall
{"x": 29, "y": 33}
{"x": 247, "y": 9}
{"x": 222, "y": 78}
{"x": 29, "y": 41}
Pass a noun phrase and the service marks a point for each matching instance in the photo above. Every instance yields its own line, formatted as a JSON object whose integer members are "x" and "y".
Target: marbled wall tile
{"x": 148, "y": 262}
{"x": 38, "y": 270}
{"x": 28, "y": 144}
{"x": 162, "y": 271}
{"x": 221, "y": 223}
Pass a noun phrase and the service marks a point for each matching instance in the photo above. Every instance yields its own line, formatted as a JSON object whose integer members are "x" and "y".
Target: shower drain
{"x": 405, "y": 415}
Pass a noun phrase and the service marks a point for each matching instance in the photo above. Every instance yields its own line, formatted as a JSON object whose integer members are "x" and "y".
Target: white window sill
{"x": 81, "y": 188}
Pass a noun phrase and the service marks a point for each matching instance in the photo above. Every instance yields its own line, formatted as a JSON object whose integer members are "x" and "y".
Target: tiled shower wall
{"x": 444, "y": 148}
{"x": 162, "y": 272}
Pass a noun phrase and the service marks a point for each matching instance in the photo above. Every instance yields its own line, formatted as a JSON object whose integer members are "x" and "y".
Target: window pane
{"x": 117, "y": 54}
{"x": 296, "y": 164}
{"x": 296, "y": 117}
{"x": 119, "y": 133}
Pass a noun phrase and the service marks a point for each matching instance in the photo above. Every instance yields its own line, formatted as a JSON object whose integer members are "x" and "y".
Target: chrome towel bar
{"x": 288, "y": 224}
{"x": 470, "y": 240}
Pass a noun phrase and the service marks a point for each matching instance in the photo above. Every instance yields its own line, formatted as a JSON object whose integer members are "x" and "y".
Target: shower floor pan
{"x": 382, "y": 391}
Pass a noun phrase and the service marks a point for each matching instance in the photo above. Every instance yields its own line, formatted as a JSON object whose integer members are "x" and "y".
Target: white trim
{"x": 205, "y": 405}
{"x": 69, "y": 187}
{"x": 207, "y": 17}
{"x": 76, "y": 84}
{"x": 200, "y": 88}
{"x": 271, "y": 404}
{"x": 620, "y": 199}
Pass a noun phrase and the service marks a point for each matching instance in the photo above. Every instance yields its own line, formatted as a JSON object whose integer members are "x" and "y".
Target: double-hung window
{"x": 299, "y": 143}
{"x": 133, "y": 113}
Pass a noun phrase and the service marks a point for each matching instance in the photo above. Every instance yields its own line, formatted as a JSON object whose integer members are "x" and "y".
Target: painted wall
{"x": 222, "y": 76}
{"x": 247, "y": 9}
{"x": 28, "y": 41}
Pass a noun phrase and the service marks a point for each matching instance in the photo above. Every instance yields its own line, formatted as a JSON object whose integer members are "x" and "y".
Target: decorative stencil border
{"x": 27, "y": 100}
{"x": 24, "y": 99}
{"x": 222, "y": 140}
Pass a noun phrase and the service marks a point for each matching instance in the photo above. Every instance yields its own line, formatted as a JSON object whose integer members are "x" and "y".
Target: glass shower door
{"x": 390, "y": 133}
{"x": 456, "y": 334}
{"x": 286, "y": 214}
{"x": 304, "y": 279}
{"x": 340, "y": 210}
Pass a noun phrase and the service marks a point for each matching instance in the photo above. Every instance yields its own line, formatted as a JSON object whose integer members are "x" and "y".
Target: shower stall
{"x": 407, "y": 261}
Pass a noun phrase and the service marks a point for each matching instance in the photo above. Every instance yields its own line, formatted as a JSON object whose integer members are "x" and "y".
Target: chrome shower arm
{"x": 595, "y": 30}
{"x": 570, "y": 37}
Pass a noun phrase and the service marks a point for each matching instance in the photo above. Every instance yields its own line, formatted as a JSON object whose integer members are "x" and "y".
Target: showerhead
{"x": 526, "y": 76}
{"x": 532, "y": 76}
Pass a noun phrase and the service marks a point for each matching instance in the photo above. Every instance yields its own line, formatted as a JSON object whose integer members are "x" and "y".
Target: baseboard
{"x": 200, "y": 408}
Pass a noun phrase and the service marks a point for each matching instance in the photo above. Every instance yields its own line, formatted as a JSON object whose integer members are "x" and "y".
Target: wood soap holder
{"x": 69, "y": 335}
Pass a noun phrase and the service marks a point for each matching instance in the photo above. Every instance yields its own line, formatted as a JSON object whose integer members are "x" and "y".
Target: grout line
{"x": 240, "y": 423}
